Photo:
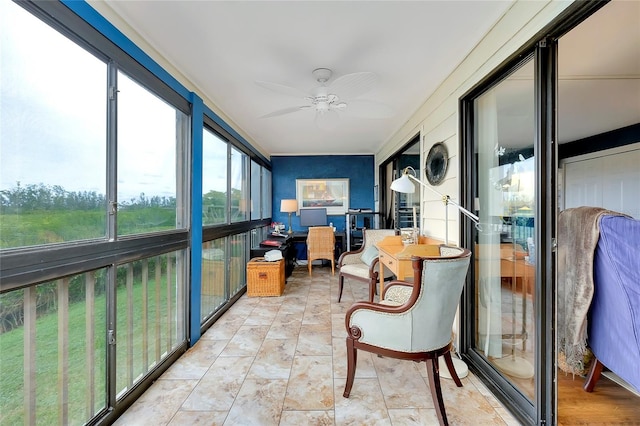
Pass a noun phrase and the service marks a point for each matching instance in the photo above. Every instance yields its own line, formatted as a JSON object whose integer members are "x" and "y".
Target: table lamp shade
{"x": 288, "y": 206}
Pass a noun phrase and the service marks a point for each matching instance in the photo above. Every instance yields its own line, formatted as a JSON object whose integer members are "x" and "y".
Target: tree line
{"x": 41, "y": 197}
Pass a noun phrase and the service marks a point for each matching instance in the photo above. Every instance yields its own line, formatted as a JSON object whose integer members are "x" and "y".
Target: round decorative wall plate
{"x": 436, "y": 164}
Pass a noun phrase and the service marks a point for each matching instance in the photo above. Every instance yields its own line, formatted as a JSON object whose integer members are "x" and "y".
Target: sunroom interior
{"x": 115, "y": 262}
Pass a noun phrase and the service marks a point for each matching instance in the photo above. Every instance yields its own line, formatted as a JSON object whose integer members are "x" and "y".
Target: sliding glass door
{"x": 505, "y": 247}
{"x": 508, "y": 123}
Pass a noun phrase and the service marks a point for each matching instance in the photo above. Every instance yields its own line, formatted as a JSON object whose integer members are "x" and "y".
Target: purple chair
{"x": 614, "y": 316}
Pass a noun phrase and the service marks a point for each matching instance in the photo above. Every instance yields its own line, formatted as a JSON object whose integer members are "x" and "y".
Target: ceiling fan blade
{"x": 286, "y": 111}
{"x": 369, "y": 109}
{"x": 353, "y": 85}
{"x": 327, "y": 120}
{"x": 282, "y": 89}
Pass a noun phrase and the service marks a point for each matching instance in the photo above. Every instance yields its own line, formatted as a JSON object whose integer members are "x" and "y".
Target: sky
{"x": 53, "y": 119}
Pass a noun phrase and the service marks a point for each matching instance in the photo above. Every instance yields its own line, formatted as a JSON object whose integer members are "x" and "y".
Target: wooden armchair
{"x": 419, "y": 329}
{"x": 321, "y": 244}
{"x": 362, "y": 264}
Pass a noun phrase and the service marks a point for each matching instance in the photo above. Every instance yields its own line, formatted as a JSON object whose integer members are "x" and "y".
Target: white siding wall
{"x": 608, "y": 179}
{"x": 437, "y": 119}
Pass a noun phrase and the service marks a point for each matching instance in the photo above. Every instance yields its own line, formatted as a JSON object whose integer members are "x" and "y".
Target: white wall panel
{"x": 608, "y": 179}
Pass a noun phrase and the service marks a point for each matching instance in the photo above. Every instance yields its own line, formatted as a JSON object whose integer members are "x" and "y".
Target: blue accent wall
{"x": 359, "y": 169}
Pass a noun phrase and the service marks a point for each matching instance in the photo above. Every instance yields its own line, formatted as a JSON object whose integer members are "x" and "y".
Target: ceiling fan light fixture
{"x": 332, "y": 98}
{"x": 322, "y": 107}
{"x": 326, "y": 99}
{"x": 322, "y": 75}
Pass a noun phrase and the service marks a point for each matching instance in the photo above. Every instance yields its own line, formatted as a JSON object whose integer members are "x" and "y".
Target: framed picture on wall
{"x": 330, "y": 193}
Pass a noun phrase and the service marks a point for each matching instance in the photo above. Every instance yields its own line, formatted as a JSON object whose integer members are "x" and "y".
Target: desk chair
{"x": 321, "y": 244}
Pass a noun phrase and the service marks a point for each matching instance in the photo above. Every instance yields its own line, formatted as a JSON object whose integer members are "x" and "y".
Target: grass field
{"x": 57, "y": 226}
{"x": 130, "y": 358}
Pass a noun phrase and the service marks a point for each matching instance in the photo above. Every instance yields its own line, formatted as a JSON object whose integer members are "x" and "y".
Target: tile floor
{"x": 282, "y": 361}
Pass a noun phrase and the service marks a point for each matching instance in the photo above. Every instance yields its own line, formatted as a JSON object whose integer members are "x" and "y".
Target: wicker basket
{"x": 265, "y": 278}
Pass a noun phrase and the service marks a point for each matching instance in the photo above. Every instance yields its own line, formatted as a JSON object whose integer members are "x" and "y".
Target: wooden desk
{"x": 396, "y": 256}
{"x": 512, "y": 264}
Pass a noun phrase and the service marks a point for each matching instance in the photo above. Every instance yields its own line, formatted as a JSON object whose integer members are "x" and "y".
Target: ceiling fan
{"x": 326, "y": 99}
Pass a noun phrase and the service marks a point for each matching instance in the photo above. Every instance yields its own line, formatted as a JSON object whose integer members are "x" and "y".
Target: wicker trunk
{"x": 265, "y": 278}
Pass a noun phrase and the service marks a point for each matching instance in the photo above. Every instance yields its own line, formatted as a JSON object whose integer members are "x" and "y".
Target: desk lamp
{"x": 289, "y": 206}
{"x": 404, "y": 184}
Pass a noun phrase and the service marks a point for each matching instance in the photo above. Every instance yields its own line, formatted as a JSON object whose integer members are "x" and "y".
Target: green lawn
{"x": 56, "y": 226}
{"x": 12, "y": 389}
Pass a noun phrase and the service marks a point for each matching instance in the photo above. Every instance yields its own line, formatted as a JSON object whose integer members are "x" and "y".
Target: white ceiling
{"x": 224, "y": 47}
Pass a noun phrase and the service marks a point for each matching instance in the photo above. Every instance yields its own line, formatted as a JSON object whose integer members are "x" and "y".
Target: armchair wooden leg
{"x": 452, "y": 370}
{"x": 352, "y": 359}
{"x": 593, "y": 376}
{"x": 372, "y": 286}
{"x": 433, "y": 372}
{"x": 341, "y": 281}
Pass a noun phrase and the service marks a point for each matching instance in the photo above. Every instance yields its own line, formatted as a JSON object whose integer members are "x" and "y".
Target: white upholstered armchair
{"x": 362, "y": 264}
{"x": 418, "y": 329}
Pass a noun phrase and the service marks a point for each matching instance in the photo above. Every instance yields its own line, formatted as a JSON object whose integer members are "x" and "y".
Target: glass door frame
{"x": 544, "y": 48}
{"x": 520, "y": 405}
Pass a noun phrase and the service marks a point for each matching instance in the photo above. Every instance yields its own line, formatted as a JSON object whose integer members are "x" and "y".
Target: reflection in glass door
{"x": 505, "y": 248}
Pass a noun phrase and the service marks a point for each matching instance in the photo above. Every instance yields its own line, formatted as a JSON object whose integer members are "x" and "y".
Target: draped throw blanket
{"x": 578, "y": 234}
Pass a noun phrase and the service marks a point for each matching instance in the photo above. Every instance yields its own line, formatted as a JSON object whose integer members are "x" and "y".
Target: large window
{"x": 256, "y": 171}
{"x": 93, "y": 147}
{"x": 239, "y": 186}
{"x": 266, "y": 193}
{"x": 52, "y": 135}
{"x": 214, "y": 179}
{"x": 150, "y": 311}
{"x": 237, "y": 263}
{"x": 214, "y": 291}
{"x": 52, "y": 337}
{"x": 148, "y": 129}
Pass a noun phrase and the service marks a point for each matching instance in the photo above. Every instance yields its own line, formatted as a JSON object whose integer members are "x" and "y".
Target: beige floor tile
{"x": 285, "y": 326}
{"x": 196, "y": 361}
{"x": 246, "y": 341}
{"x": 225, "y": 328}
{"x": 218, "y": 388}
{"x": 401, "y": 383}
{"x": 259, "y": 403}
{"x": 413, "y": 416}
{"x": 273, "y": 360}
{"x": 311, "y": 384}
{"x": 282, "y": 361}
{"x": 314, "y": 339}
{"x": 311, "y": 418}
{"x": 262, "y": 315}
{"x": 364, "y": 366}
{"x": 365, "y": 405}
{"x": 158, "y": 404}
{"x": 338, "y": 327}
{"x": 198, "y": 418}
{"x": 466, "y": 406}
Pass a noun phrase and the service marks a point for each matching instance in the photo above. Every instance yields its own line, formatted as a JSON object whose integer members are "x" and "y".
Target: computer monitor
{"x": 313, "y": 217}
